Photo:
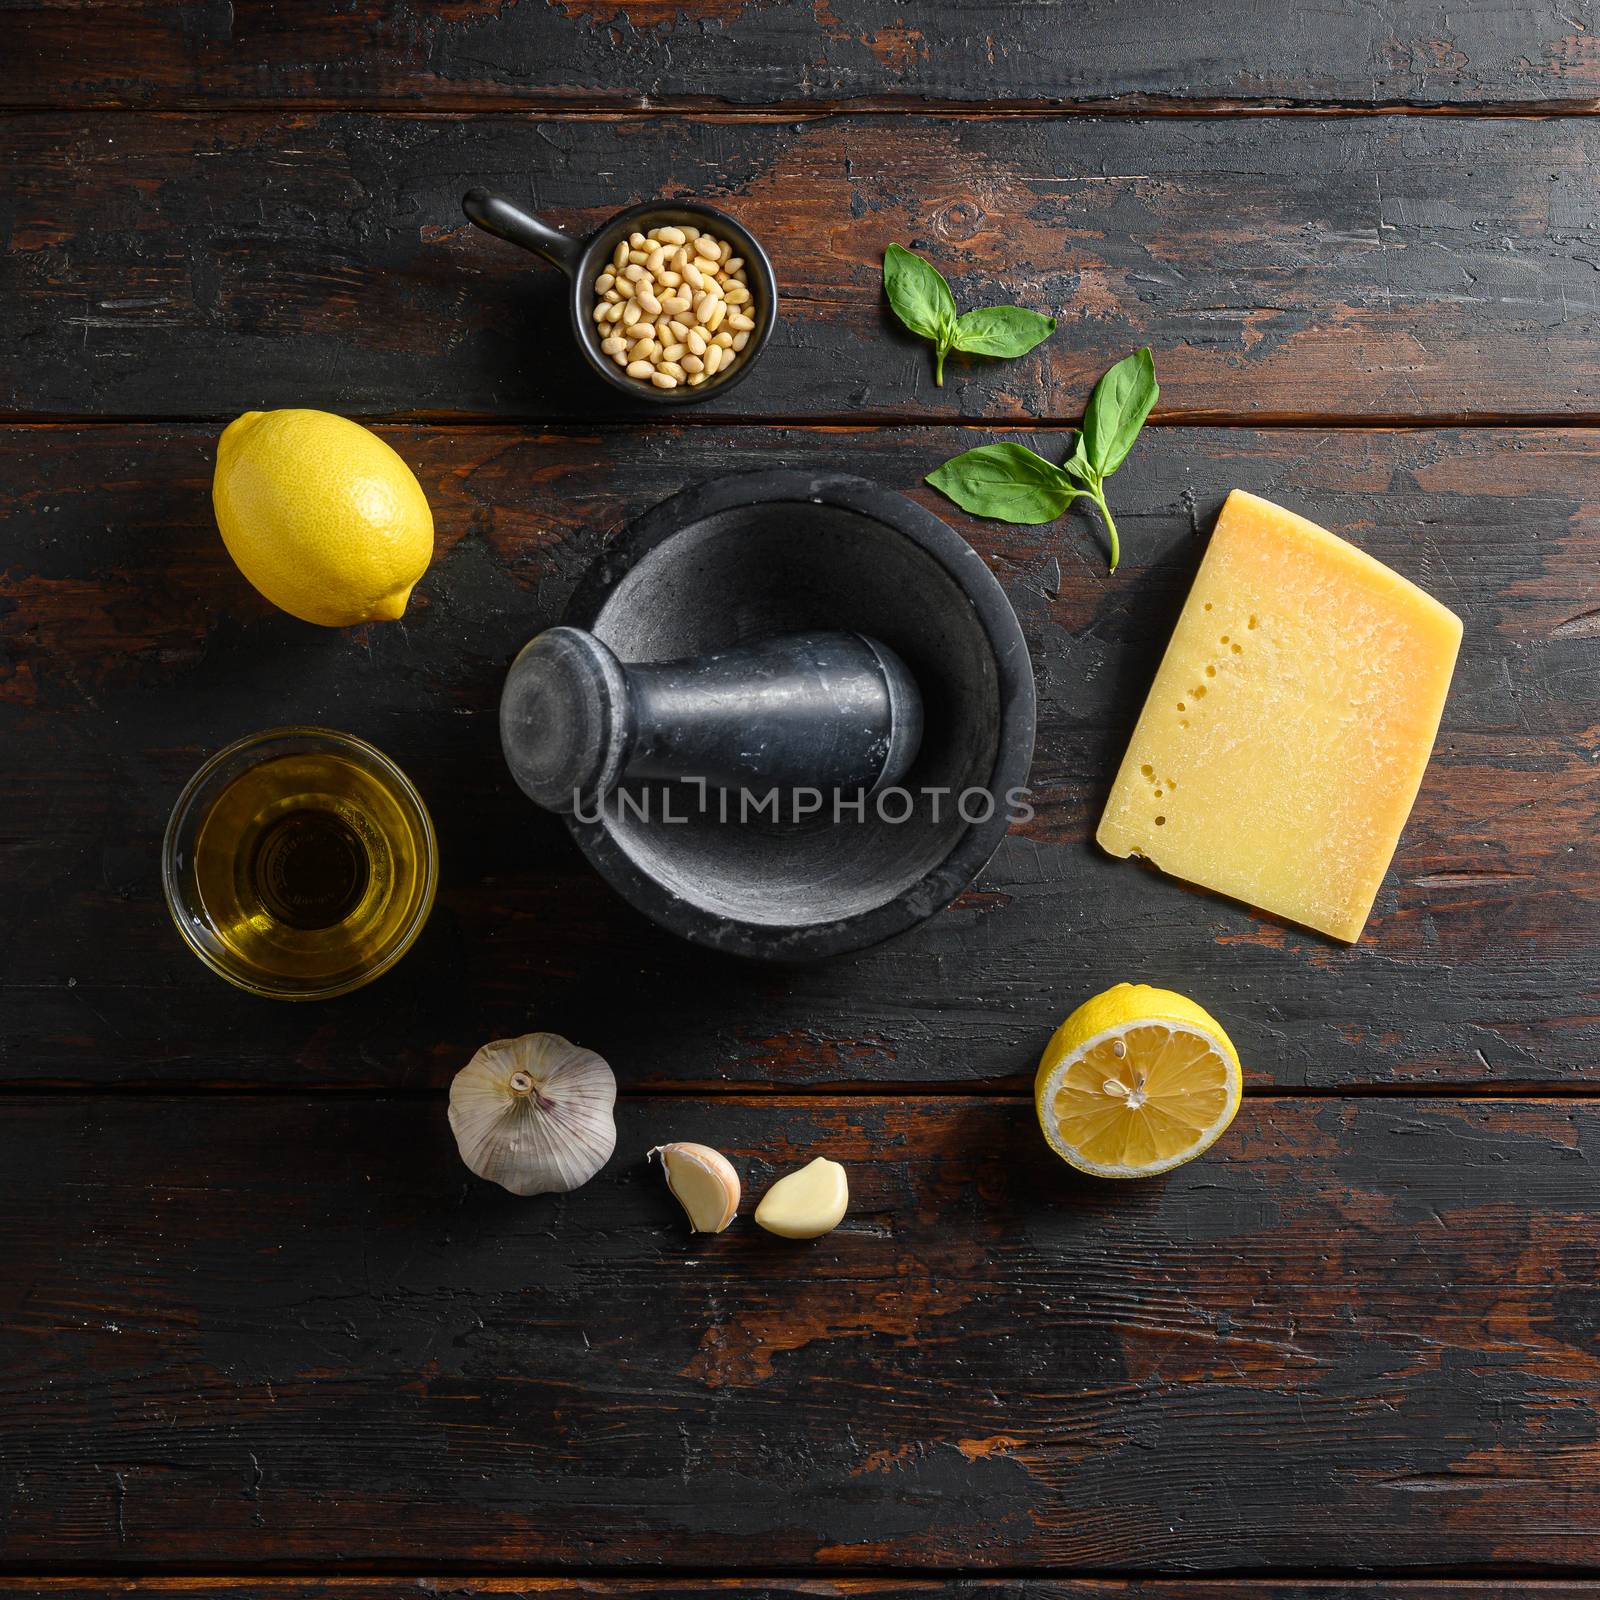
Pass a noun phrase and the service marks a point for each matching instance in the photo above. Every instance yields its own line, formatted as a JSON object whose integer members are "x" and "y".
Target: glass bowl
{"x": 299, "y": 863}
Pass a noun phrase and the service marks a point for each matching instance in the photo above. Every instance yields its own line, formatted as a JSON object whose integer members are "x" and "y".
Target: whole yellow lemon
{"x": 321, "y": 516}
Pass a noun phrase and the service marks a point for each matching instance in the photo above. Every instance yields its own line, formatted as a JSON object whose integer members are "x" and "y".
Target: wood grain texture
{"x": 195, "y": 266}
{"x": 474, "y": 53}
{"x": 247, "y": 1330}
{"x": 587, "y": 1587}
{"x": 130, "y": 649}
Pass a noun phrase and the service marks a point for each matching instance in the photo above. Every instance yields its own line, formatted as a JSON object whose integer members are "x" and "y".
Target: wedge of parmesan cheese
{"x": 1285, "y": 737}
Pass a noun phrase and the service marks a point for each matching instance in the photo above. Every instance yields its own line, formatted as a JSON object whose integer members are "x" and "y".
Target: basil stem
{"x": 1010, "y": 483}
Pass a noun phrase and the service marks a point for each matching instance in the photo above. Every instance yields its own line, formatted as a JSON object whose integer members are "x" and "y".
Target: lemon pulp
{"x": 1136, "y": 1081}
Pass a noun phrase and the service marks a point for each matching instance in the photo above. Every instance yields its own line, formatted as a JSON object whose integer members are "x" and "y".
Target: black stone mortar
{"x": 766, "y": 553}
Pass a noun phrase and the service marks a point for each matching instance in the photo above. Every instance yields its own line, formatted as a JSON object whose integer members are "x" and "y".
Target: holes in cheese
{"x": 1288, "y": 784}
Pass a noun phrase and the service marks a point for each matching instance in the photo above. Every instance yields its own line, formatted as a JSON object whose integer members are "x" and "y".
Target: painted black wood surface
{"x": 298, "y": 1326}
{"x": 132, "y": 649}
{"x": 1290, "y": 268}
{"x": 970, "y": 53}
{"x": 261, "y": 1337}
{"x": 589, "y": 1587}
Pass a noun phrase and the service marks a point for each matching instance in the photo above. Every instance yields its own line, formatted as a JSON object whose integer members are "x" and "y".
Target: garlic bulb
{"x": 534, "y": 1114}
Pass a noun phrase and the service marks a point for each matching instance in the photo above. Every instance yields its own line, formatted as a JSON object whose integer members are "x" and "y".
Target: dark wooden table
{"x": 261, "y": 1335}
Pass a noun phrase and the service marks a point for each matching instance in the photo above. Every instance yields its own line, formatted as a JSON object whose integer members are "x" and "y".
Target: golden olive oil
{"x": 307, "y": 868}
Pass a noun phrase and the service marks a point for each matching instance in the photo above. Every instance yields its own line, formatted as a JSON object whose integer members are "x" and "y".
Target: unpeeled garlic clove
{"x": 534, "y": 1114}
{"x": 703, "y": 1182}
{"x": 806, "y": 1204}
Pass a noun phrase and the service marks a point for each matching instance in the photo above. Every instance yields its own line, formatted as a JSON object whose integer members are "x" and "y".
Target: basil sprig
{"x": 920, "y": 297}
{"x": 1011, "y": 484}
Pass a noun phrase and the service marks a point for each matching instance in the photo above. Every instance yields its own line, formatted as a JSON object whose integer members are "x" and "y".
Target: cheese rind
{"x": 1286, "y": 734}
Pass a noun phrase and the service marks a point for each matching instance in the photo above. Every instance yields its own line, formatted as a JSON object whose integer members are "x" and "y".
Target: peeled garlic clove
{"x": 703, "y": 1182}
{"x": 534, "y": 1114}
{"x": 806, "y": 1204}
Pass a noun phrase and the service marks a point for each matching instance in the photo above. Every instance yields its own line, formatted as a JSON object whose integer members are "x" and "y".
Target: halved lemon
{"x": 1136, "y": 1081}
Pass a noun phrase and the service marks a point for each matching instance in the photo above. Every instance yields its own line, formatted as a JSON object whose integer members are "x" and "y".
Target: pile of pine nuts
{"x": 673, "y": 307}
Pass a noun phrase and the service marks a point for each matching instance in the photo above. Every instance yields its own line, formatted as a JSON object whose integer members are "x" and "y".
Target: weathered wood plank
{"x": 908, "y": 1588}
{"x": 1304, "y": 267}
{"x": 241, "y": 1330}
{"x": 479, "y": 52}
{"x": 130, "y": 648}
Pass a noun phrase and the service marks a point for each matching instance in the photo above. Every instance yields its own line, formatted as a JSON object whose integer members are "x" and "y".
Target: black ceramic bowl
{"x": 768, "y": 553}
{"x": 583, "y": 260}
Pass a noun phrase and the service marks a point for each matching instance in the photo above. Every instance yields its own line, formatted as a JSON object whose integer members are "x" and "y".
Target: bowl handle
{"x": 497, "y": 215}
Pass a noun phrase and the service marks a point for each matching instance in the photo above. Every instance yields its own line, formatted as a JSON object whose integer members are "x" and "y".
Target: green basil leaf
{"x": 1077, "y": 464}
{"x": 1007, "y": 482}
{"x": 918, "y": 294}
{"x": 1002, "y": 331}
{"x": 1121, "y": 401}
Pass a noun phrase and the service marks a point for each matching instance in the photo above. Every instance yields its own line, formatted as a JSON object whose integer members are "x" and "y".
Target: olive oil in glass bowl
{"x": 299, "y": 863}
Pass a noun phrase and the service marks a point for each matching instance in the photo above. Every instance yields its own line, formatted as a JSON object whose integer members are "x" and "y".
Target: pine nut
{"x": 674, "y": 306}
